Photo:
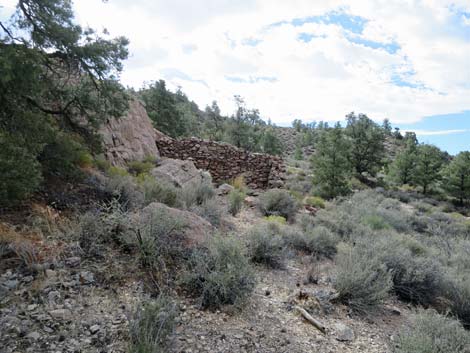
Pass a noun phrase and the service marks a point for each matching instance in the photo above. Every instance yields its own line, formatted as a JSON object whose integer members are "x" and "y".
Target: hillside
{"x": 132, "y": 221}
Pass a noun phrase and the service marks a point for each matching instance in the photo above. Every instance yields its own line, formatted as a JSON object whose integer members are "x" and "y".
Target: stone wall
{"x": 224, "y": 161}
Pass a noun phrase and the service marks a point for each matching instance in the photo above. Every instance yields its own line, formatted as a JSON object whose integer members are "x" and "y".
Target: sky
{"x": 408, "y": 61}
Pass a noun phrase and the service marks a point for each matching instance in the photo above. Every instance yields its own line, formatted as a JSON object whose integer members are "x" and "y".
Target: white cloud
{"x": 437, "y": 132}
{"x": 198, "y": 45}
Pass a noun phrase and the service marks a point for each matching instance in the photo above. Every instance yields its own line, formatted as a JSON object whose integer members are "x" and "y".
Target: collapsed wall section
{"x": 224, "y": 161}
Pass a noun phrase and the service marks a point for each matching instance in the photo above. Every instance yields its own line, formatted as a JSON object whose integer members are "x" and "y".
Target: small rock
{"x": 73, "y": 261}
{"x": 86, "y": 277}
{"x": 34, "y": 335}
{"x": 224, "y": 189}
{"x": 344, "y": 333}
{"x": 61, "y": 314}
{"x": 94, "y": 329}
{"x": 32, "y": 307}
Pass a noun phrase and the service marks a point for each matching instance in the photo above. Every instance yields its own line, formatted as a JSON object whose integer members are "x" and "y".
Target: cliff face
{"x": 131, "y": 137}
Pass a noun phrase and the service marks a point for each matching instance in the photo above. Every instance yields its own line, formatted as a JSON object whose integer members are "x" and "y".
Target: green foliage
{"x": 210, "y": 210}
{"x": 276, "y": 219}
{"x": 159, "y": 191}
{"x": 151, "y": 325}
{"x": 159, "y": 239}
{"x": 270, "y": 142}
{"x": 318, "y": 241}
{"x": 367, "y": 144}
{"x": 457, "y": 177}
{"x": 298, "y": 154}
{"x": 433, "y": 333}
{"x": 363, "y": 282}
{"x": 161, "y": 108}
{"x": 428, "y": 165}
{"x": 265, "y": 245}
{"x": 20, "y": 170}
{"x": 277, "y": 202}
{"x": 196, "y": 193}
{"x": 235, "y": 199}
{"x": 41, "y": 49}
{"x": 315, "y": 201}
{"x": 140, "y": 167}
{"x": 219, "y": 274}
{"x": 331, "y": 163}
{"x": 403, "y": 166}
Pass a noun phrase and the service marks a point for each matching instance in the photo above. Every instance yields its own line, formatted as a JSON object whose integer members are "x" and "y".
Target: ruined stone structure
{"x": 224, "y": 161}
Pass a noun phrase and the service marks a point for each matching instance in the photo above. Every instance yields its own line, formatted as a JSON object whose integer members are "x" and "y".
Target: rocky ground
{"x": 76, "y": 305}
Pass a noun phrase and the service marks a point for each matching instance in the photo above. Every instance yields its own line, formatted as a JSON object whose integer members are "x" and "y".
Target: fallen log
{"x": 317, "y": 324}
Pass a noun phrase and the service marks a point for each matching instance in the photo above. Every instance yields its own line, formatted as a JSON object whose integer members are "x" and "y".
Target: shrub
{"x": 319, "y": 241}
{"x": 239, "y": 183}
{"x": 102, "y": 164}
{"x": 20, "y": 172}
{"x": 265, "y": 246}
{"x": 235, "y": 199}
{"x": 209, "y": 210}
{"x": 160, "y": 191}
{"x": 315, "y": 201}
{"x": 278, "y": 202}
{"x": 276, "y": 219}
{"x": 152, "y": 324}
{"x": 124, "y": 189}
{"x": 196, "y": 193}
{"x": 433, "y": 333}
{"x": 140, "y": 167}
{"x": 362, "y": 281}
{"x": 375, "y": 222}
{"x": 159, "y": 239}
{"x": 219, "y": 274}
{"x": 458, "y": 295}
{"x": 96, "y": 229}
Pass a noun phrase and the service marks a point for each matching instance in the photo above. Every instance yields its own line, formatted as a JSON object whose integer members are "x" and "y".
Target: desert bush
{"x": 265, "y": 245}
{"x": 458, "y": 296}
{"x": 239, "y": 184}
{"x": 219, "y": 274}
{"x": 123, "y": 188}
{"x": 209, "y": 210}
{"x": 362, "y": 281}
{"x": 278, "y": 202}
{"x": 96, "y": 229}
{"x": 197, "y": 193}
{"x": 375, "y": 222}
{"x": 319, "y": 241}
{"x": 102, "y": 163}
{"x": 416, "y": 276}
{"x": 315, "y": 201}
{"x": 140, "y": 167}
{"x": 159, "y": 239}
{"x": 276, "y": 219}
{"x": 159, "y": 191}
{"x": 235, "y": 199}
{"x": 152, "y": 324}
{"x": 433, "y": 333}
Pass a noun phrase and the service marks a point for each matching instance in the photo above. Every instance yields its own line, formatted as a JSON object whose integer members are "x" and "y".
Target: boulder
{"x": 179, "y": 172}
{"x": 344, "y": 333}
{"x": 195, "y": 230}
{"x": 131, "y": 137}
{"x": 224, "y": 189}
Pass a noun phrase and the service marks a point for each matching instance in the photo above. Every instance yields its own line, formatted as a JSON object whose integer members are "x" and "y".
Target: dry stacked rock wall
{"x": 225, "y": 162}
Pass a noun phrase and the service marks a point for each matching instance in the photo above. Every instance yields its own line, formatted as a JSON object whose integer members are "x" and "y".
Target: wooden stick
{"x": 317, "y": 324}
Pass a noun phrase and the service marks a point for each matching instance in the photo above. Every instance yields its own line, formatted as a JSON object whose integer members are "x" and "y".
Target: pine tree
{"x": 330, "y": 163}
{"x": 457, "y": 177}
{"x": 367, "y": 144}
{"x": 429, "y": 162}
{"x": 402, "y": 168}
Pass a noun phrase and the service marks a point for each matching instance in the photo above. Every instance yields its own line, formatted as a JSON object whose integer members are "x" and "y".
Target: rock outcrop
{"x": 129, "y": 138}
{"x": 224, "y": 161}
{"x": 179, "y": 172}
